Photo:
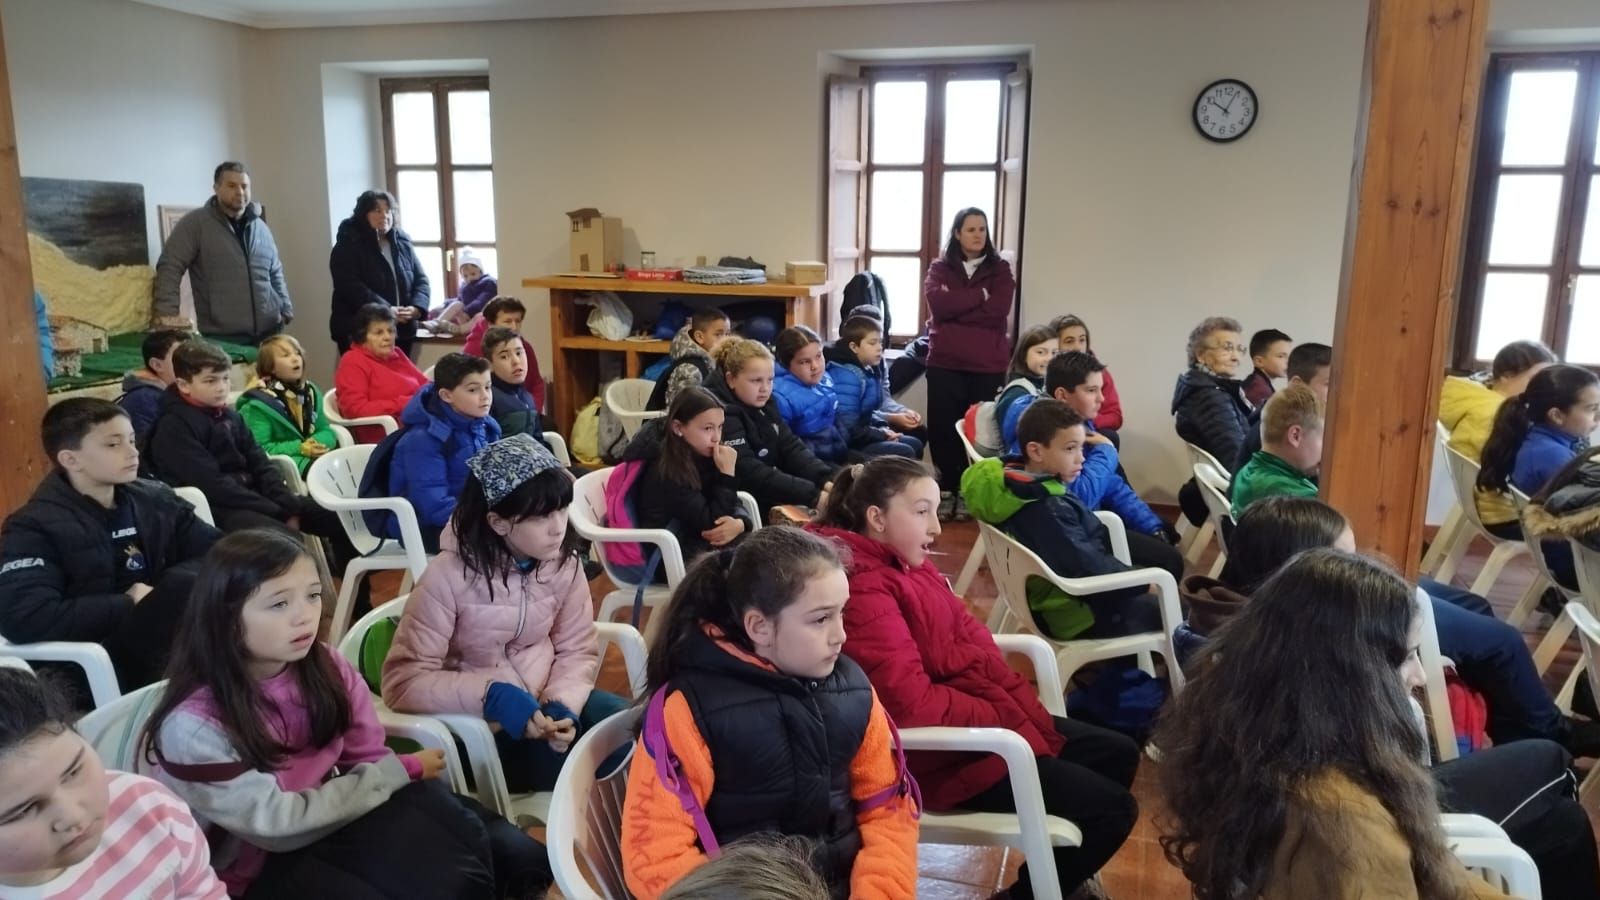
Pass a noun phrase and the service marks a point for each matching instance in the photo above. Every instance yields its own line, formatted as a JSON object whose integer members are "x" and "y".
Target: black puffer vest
{"x": 782, "y": 749}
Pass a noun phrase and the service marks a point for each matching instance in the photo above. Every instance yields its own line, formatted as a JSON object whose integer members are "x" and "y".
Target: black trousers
{"x": 1527, "y": 787}
{"x": 949, "y": 394}
{"x": 140, "y": 648}
{"x": 1087, "y": 783}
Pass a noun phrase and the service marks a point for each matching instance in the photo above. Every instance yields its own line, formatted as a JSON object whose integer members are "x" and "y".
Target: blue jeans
{"x": 1493, "y": 659}
{"x": 533, "y": 765}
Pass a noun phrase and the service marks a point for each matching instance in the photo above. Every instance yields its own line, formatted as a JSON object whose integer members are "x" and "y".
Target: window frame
{"x": 1578, "y": 172}
{"x": 933, "y": 168}
{"x": 443, "y": 166}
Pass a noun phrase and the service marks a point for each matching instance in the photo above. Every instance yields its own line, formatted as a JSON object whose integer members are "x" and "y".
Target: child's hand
{"x": 138, "y": 591}
{"x": 726, "y": 529}
{"x": 1095, "y": 437}
{"x": 311, "y": 447}
{"x": 432, "y": 763}
{"x": 725, "y": 457}
{"x": 903, "y": 421}
{"x": 889, "y": 434}
{"x": 561, "y": 735}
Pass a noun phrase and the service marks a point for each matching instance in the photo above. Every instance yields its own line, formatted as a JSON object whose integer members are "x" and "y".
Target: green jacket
{"x": 1044, "y": 516}
{"x": 1266, "y": 475}
{"x": 269, "y": 422}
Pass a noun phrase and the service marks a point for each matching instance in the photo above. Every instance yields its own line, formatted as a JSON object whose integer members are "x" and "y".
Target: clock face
{"x": 1225, "y": 110}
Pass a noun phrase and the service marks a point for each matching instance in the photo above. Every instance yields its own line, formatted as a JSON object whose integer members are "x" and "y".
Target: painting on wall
{"x": 90, "y": 250}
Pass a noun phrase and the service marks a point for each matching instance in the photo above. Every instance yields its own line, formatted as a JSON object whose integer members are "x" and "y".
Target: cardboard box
{"x": 806, "y": 272}
{"x": 596, "y": 241}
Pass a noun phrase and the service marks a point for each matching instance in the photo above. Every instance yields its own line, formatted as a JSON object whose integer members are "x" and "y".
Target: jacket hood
{"x": 996, "y": 489}
{"x": 646, "y": 443}
{"x": 430, "y": 413}
{"x": 866, "y": 554}
{"x": 839, "y": 352}
{"x": 1211, "y": 603}
{"x": 683, "y": 344}
{"x": 1459, "y": 396}
{"x": 1196, "y": 380}
{"x": 133, "y": 381}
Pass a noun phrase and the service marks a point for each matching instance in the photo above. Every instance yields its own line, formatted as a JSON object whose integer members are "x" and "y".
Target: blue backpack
{"x": 375, "y": 480}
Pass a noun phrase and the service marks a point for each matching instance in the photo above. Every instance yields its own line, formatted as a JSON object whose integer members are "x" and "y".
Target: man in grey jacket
{"x": 232, "y": 262}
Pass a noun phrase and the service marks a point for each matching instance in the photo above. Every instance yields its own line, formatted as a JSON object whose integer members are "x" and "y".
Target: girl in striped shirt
{"x": 69, "y": 829}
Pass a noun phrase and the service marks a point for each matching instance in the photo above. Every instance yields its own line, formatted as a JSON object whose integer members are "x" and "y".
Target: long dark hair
{"x": 1272, "y": 531}
{"x": 1554, "y": 388}
{"x": 766, "y": 572}
{"x": 368, "y": 201}
{"x": 1029, "y": 339}
{"x": 486, "y": 554}
{"x": 677, "y": 462}
{"x": 210, "y": 653}
{"x": 859, "y": 487}
{"x": 1294, "y": 691}
{"x": 953, "y": 254}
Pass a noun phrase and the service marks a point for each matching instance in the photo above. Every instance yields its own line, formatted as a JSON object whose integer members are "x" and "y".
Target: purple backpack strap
{"x": 669, "y": 770}
{"x": 207, "y": 773}
{"x": 904, "y": 785}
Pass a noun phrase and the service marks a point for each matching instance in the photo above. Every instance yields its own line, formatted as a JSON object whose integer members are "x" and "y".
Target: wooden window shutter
{"x": 1013, "y": 156}
{"x": 849, "y": 104}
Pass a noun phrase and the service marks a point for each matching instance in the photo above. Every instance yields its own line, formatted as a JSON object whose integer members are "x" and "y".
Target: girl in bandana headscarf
{"x": 501, "y": 625}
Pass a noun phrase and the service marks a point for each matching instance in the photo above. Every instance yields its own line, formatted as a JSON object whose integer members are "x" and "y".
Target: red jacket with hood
{"x": 933, "y": 663}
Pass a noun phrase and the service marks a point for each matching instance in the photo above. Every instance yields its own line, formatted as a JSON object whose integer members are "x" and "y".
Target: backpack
{"x": 1124, "y": 700}
{"x": 658, "y": 396}
{"x": 865, "y": 289}
{"x": 611, "y": 439}
{"x": 669, "y": 771}
{"x": 375, "y": 480}
{"x": 984, "y": 425}
{"x": 1469, "y": 712}
{"x": 585, "y": 444}
{"x": 631, "y": 560}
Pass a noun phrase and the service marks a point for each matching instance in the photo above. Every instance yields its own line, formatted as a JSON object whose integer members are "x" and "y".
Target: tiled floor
{"x": 1139, "y": 871}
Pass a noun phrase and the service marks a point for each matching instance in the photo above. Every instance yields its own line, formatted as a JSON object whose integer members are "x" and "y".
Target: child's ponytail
{"x": 1555, "y": 388}
{"x": 766, "y": 572}
{"x": 862, "y": 486}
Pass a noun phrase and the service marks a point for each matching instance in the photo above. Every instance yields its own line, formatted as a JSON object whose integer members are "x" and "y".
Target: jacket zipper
{"x": 522, "y": 618}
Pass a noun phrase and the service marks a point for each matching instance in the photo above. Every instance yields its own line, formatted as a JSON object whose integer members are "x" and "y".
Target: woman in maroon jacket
{"x": 969, "y": 292}
{"x": 932, "y": 663}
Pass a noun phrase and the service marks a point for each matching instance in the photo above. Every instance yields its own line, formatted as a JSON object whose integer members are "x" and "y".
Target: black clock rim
{"x": 1194, "y": 119}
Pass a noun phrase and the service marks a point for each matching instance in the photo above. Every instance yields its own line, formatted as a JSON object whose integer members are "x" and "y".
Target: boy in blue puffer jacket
{"x": 1030, "y": 497}
{"x": 445, "y": 424}
{"x": 868, "y": 415}
{"x": 1076, "y": 380}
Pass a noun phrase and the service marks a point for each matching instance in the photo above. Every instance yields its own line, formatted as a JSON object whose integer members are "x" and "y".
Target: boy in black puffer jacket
{"x": 98, "y": 554}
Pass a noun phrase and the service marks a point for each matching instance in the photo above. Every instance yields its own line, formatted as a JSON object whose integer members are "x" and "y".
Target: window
{"x": 909, "y": 148}
{"x": 440, "y": 169}
{"x": 1532, "y": 267}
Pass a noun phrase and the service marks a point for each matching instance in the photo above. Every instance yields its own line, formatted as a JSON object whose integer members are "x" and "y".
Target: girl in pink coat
{"x": 501, "y": 625}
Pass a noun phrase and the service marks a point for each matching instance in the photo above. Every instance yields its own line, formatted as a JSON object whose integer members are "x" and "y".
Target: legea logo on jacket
{"x": 736, "y": 442}
{"x": 121, "y": 533}
{"x": 32, "y": 562}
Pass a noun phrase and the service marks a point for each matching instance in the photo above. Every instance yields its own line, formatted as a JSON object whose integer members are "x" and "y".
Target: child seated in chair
{"x": 1290, "y": 454}
{"x": 501, "y": 625}
{"x": 934, "y": 664}
{"x": 691, "y": 351}
{"x": 508, "y": 312}
{"x": 446, "y": 423}
{"x": 99, "y": 554}
{"x": 512, "y": 406}
{"x": 861, "y": 383}
{"x": 772, "y": 464}
{"x": 283, "y": 408}
{"x": 142, "y": 388}
{"x": 1030, "y": 497}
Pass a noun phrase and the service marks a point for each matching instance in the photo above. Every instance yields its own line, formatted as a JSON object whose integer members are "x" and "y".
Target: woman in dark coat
{"x": 373, "y": 262}
{"x": 970, "y": 291}
{"x": 1208, "y": 403}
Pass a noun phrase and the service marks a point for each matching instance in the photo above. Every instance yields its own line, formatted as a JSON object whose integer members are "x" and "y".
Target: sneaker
{"x": 961, "y": 514}
{"x": 1553, "y": 601}
{"x": 947, "y": 505}
{"x": 1581, "y": 737}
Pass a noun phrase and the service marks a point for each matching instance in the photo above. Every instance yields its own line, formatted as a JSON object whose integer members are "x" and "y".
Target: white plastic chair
{"x": 330, "y": 407}
{"x": 584, "y": 830}
{"x": 197, "y": 499}
{"x": 1447, "y": 534}
{"x": 1030, "y": 829}
{"x": 558, "y": 448}
{"x": 1437, "y": 698}
{"x": 334, "y": 481}
{"x": 1546, "y": 579}
{"x": 626, "y": 398}
{"x": 1194, "y": 540}
{"x": 473, "y": 732}
{"x": 1013, "y": 564}
{"x": 1464, "y": 479}
{"x": 1213, "y": 484}
{"x": 969, "y": 571}
{"x": 91, "y": 658}
{"x": 1578, "y": 615}
{"x": 1503, "y": 864}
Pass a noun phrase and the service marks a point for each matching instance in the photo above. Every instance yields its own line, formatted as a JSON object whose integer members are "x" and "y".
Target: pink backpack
{"x": 669, "y": 771}
{"x": 628, "y": 556}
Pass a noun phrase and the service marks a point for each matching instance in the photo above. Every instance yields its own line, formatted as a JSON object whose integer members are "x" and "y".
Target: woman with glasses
{"x": 1208, "y": 404}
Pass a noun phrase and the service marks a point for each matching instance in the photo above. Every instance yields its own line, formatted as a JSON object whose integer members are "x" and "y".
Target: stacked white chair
{"x": 1464, "y": 480}
{"x": 1213, "y": 484}
{"x": 1195, "y": 540}
{"x": 627, "y": 398}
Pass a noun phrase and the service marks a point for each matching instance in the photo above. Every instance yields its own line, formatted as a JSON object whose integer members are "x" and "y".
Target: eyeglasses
{"x": 1227, "y": 348}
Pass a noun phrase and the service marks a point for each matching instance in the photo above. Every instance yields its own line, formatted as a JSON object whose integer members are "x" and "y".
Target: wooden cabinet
{"x": 574, "y": 371}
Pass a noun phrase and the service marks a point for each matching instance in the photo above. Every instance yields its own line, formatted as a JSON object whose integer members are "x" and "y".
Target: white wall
{"x": 352, "y": 132}
{"x": 704, "y": 133}
{"x": 116, "y": 91}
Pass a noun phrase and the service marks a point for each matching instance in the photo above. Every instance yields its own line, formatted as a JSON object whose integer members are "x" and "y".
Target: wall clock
{"x": 1225, "y": 111}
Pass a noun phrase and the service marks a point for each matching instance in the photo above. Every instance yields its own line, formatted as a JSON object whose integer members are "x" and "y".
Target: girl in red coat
{"x": 374, "y": 377}
{"x": 932, "y": 663}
